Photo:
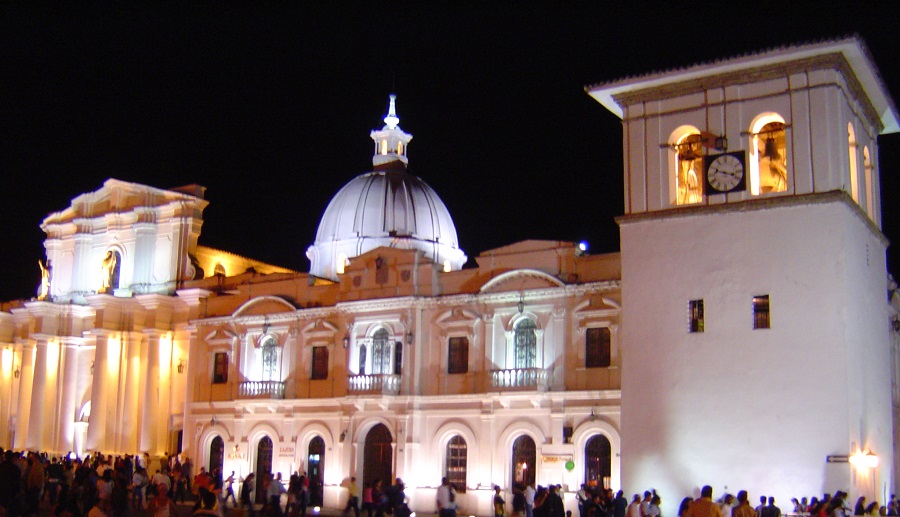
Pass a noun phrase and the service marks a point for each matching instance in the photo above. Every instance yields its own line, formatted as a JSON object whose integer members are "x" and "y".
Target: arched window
{"x": 524, "y": 456}
{"x": 768, "y": 155}
{"x": 381, "y": 353}
{"x": 854, "y": 158}
{"x": 688, "y": 168}
{"x": 216, "y": 454}
{"x": 457, "y": 454}
{"x": 270, "y": 359}
{"x": 598, "y": 461}
{"x": 870, "y": 183}
{"x": 526, "y": 343}
{"x": 384, "y": 148}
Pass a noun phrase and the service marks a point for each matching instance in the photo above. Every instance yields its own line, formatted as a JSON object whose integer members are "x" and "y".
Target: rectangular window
{"x": 596, "y": 349}
{"x": 319, "y": 363}
{"x": 220, "y": 368}
{"x": 458, "y": 355}
{"x": 761, "y": 312}
{"x": 695, "y": 316}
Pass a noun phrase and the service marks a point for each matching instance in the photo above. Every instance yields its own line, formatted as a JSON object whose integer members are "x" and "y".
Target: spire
{"x": 391, "y": 120}
{"x": 390, "y": 141}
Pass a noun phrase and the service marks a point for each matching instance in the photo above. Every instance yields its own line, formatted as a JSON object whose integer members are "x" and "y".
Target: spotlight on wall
{"x": 181, "y": 366}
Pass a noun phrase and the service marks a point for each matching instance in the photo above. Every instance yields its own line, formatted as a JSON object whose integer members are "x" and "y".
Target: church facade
{"x": 741, "y": 338}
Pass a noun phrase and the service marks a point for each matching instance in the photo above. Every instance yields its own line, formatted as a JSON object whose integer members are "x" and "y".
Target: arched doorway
{"x": 378, "y": 456}
{"x": 597, "y": 461}
{"x": 315, "y": 461}
{"x": 263, "y": 467}
{"x": 216, "y": 454}
{"x": 524, "y": 456}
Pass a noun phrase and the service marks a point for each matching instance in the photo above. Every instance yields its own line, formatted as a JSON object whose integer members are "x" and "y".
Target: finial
{"x": 392, "y": 119}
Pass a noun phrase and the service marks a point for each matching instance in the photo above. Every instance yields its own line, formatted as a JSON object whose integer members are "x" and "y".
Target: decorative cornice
{"x": 832, "y": 61}
{"x": 750, "y": 205}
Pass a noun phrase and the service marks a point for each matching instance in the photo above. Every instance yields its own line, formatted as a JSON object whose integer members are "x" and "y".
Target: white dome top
{"x": 387, "y": 207}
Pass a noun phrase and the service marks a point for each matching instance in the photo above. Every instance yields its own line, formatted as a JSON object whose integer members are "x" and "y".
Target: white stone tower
{"x": 755, "y": 328}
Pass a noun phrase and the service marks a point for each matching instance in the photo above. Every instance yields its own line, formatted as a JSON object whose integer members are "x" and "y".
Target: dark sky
{"x": 270, "y": 106}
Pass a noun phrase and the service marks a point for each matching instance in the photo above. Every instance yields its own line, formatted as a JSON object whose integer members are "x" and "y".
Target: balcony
{"x": 378, "y": 384}
{"x": 520, "y": 379}
{"x": 261, "y": 390}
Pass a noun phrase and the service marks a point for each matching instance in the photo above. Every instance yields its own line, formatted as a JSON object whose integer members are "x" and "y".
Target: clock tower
{"x": 756, "y": 335}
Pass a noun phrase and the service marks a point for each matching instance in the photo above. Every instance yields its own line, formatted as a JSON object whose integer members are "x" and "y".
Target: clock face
{"x": 725, "y": 172}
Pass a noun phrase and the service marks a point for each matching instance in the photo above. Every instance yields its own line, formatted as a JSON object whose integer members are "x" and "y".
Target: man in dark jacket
{"x": 10, "y": 485}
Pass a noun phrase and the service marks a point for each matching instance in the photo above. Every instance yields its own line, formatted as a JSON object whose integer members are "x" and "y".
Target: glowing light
{"x": 447, "y": 266}
{"x": 52, "y": 360}
{"x": 113, "y": 344}
{"x": 392, "y": 119}
{"x": 864, "y": 459}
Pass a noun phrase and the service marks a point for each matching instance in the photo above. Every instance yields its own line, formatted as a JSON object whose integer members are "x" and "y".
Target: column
{"x": 24, "y": 404}
{"x": 49, "y": 427}
{"x": 127, "y": 433}
{"x": 96, "y": 433}
{"x": 150, "y": 407}
{"x": 36, "y": 420}
{"x": 68, "y": 384}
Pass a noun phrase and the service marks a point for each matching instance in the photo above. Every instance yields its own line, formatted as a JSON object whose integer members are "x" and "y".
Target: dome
{"x": 387, "y": 207}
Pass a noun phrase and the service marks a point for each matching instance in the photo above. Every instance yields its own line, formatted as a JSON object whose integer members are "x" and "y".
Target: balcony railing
{"x": 520, "y": 379}
{"x": 384, "y": 384}
{"x": 261, "y": 390}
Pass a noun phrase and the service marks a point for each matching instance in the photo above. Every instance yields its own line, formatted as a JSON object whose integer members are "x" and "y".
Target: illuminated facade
{"x": 653, "y": 367}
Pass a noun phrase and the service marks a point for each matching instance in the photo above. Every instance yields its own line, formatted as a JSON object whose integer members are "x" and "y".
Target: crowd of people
{"x": 123, "y": 486}
{"x": 603, "y": 503}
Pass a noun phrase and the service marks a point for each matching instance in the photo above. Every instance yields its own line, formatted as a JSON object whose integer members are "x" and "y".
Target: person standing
{"x": 446, "y": 499}
{"x": 499, "y": 503}
{"x": 743, "y": 509}
{"x": 704, "y": 506}
{"x": 529, "y": 499}
{"x": 518, "y": 501}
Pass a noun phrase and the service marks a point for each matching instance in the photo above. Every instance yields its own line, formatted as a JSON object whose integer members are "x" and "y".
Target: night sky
{"x": 269, "y": 106}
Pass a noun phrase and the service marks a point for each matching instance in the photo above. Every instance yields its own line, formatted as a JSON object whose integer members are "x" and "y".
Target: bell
{"x": 687, "y": 155}
{"x": 771, "y": 150}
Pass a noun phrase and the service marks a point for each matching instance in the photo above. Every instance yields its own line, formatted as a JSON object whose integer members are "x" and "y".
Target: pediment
{"x": 264, "y": 305}
{"x": 520, "y": 279}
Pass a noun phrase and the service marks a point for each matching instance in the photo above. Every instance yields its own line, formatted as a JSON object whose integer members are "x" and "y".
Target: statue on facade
{"x": 108, "y": 268}
{"x": 44, "y": 289}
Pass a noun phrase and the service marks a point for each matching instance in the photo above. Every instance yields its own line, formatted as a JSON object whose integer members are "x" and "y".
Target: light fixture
{"x": 521, "y": 304}
{"x": 92, "y": 367}
{"x": 864, "y": 459}
{"x": 213, "y": 421}
{"x": 16, "y": 373}
{"x": 593, "y": 416}
{"x": 409, "y": 338}
{"x": 181, "y": 365}
{"x": 343, "y": 434}
{"x": 346, "y": 341}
